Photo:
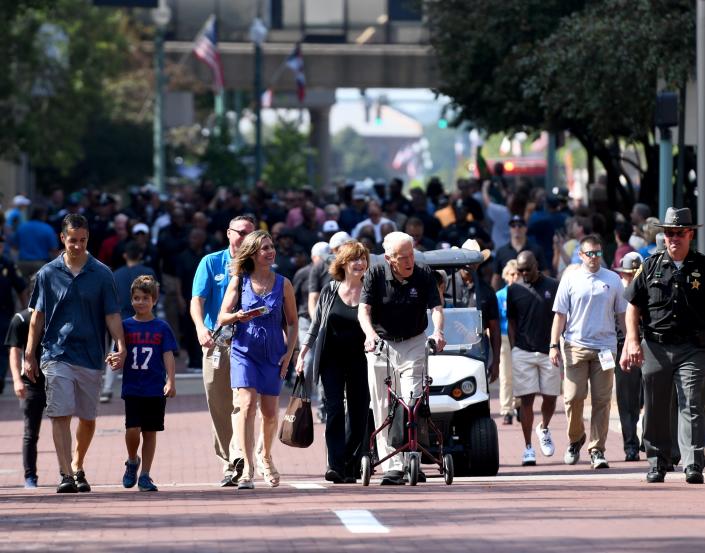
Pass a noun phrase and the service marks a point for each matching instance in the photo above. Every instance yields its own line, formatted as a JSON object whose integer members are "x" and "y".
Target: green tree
{"x": 55, "y": 57}
{"x": 586, "y": 66}
{"x": 223, "y": 165}
{"x": 287, "y": 154}
{"x": 352, "y": 158}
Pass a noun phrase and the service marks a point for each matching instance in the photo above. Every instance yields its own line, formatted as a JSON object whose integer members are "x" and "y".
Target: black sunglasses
{"x": 242, "y": 233}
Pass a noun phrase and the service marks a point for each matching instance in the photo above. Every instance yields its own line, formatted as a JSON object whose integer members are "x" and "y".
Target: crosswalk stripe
{"x": 361, "y": 521}
{"x": 306, "y": 486}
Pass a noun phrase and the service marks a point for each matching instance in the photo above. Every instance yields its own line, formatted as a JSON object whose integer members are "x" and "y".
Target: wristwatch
{"x": 557, "y": 346}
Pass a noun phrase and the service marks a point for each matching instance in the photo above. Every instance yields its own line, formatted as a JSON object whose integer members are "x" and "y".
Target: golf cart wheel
{"x": 448, "y": 470}
{"x": 366, "y": 466}
{"x": 484, "y": 447}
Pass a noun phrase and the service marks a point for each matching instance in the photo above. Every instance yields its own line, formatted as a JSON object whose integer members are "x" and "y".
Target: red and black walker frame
{"x": 411, "y": 447}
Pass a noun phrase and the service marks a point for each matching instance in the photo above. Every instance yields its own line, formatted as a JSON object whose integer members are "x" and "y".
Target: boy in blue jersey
{"x": 147, "y": 380}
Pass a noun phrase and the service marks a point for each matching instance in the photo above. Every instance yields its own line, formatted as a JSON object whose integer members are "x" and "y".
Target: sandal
{"x": 265, "y": 466}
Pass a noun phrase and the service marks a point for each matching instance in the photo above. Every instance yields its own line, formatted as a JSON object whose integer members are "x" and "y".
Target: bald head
{"x": 527, "y": 266}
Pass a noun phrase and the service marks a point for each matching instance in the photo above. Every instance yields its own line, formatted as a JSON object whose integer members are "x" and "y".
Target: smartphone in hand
{"x": 257, "y": 311}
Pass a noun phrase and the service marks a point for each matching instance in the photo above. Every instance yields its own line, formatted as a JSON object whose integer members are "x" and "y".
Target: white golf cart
{"x": 459, "y": 396}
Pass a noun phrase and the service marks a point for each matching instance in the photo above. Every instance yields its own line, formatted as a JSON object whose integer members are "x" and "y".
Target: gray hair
{"x": 395, "y": 239}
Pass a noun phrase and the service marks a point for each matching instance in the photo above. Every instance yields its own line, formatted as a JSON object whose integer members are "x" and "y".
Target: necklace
{"x": 262, "y": 289}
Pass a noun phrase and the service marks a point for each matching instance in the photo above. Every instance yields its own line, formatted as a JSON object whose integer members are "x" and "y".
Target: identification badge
{"x": 216, "y": 356}
{"x": 606, "y": 360}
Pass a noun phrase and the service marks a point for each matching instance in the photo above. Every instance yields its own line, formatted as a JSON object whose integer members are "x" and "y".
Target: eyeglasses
{"x": 672, "y": 233}
{"x": 594, "y": 253}
{"x": 242, "y": 233}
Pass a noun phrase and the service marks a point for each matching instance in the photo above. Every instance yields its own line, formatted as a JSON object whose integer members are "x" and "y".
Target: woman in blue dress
{"x": 262, "y": 346}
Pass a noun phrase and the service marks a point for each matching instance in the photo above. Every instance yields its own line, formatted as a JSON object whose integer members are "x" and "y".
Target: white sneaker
{"x": 545, "y": 440}
{"x": 529, "y": 458}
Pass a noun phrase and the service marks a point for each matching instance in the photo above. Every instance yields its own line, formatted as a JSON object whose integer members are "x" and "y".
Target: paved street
{"x": 550, "y": 507}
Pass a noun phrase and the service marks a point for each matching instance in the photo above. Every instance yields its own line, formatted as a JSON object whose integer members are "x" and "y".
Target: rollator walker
{"x": 412, "y": 411}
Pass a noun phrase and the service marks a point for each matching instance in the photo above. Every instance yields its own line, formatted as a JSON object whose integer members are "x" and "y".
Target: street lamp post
{"x": 258, "y": 34}
{"x": 161, "y": 17}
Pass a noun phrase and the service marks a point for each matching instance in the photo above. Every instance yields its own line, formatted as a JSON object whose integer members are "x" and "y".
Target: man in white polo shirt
{"x": 587, "y": 301}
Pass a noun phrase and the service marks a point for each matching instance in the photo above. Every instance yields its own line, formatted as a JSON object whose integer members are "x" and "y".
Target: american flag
{"x": 295, "y": 62}
{"x": 205, "y": 48}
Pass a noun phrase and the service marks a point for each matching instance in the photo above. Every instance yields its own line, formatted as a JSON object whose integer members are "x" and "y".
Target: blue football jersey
{"x": 144, "y": 373}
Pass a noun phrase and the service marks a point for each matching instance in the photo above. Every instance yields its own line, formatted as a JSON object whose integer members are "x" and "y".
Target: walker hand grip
{"x": 431, "y": 343}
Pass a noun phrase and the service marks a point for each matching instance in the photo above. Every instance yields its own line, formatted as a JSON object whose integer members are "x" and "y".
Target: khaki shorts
{"x": 71, "y": 390}
{"x": 533, "y": 373}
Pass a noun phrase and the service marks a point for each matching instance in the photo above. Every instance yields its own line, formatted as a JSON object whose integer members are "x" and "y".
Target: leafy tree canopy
{"x": 54, "y": 58}
{"x": 287, "y": 157}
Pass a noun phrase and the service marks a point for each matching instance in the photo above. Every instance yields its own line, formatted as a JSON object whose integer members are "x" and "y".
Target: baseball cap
{"x": 630, "y": 263}
{"x": 140, "y": 227}
{"x": 359, "y": 193}
{"x": 338, "y": 239}
{"x": 330, "y": 226}
{"x": 473, "y": 245}
{"x": 320, "y": 249}
{"x": 20, "y": 200}
{"x": 516, "y": 219}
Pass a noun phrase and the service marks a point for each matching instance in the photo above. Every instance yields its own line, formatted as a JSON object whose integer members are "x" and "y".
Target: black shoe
{"x": 349, "y": 480}
{"x": 227, "y": 481}
{"x": 631, "y": 455}
{"x": 238, "y": 467}
{"x": 81, "y": 483}
{"x": 393, "y": 478}
{"x": 422, "y": 476}
{"x": 67, "y": 485}
{"x": 656, "y": 475}
{"x": 333, "y": 476}
{"x": 693, "y": 474}
{"x": 507, "y": 419}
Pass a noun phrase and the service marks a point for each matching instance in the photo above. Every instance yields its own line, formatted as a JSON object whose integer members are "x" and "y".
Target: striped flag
{"x": 295, "y": 62}
{"x": 205, "y": 48}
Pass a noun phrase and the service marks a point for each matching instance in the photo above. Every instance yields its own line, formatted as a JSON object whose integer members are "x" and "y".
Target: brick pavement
{"x": 550, "y": 507}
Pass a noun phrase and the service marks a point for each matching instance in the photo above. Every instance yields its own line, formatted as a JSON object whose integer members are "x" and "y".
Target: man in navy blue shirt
{"x": 74, "y": 302}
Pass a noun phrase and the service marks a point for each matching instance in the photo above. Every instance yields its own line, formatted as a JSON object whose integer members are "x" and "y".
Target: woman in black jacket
{"x": 339, "y": 360}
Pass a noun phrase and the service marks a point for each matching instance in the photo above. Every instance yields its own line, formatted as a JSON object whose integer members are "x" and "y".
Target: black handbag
{"x": 296, "y": 429}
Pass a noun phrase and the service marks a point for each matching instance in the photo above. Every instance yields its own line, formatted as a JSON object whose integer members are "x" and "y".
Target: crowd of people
{"x": 295, "y": 264}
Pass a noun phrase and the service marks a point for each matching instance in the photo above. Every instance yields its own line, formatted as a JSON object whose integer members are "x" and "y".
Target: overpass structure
{"x": 345, "y": 43}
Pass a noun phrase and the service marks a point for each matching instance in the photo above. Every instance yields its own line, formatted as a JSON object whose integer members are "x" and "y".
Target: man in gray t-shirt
{"x": 588, "y": 299}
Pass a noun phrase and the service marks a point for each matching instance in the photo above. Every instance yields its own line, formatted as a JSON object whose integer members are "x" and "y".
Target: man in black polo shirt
{"x": 518, "y": 242}
{"x": 530, "y": 315}
{"x": 393, "y": 303}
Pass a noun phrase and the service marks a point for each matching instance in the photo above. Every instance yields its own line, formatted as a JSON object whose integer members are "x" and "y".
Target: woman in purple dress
{"x": 262, "y": 346}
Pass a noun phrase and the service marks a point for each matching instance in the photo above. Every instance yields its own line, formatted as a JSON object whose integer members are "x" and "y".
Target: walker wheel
{"x": 448, "y": 469}
{"x": 414, "y": 470}
{"x": 366, "y": 466}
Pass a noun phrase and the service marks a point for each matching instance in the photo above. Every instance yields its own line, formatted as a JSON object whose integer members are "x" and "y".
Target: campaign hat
{"x": 678, "y": 218}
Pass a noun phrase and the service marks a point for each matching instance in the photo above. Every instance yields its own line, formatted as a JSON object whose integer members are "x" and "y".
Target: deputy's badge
{"x": 638, "y": 271}
{"x": 695, "y": 284}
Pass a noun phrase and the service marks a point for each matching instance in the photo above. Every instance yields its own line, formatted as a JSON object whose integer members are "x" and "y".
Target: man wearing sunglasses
{"x": 209, "y": 285}
{"x": 668, "y": 296}
{"x": 529, "y": 312}
{"x": 587, "y": 302}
